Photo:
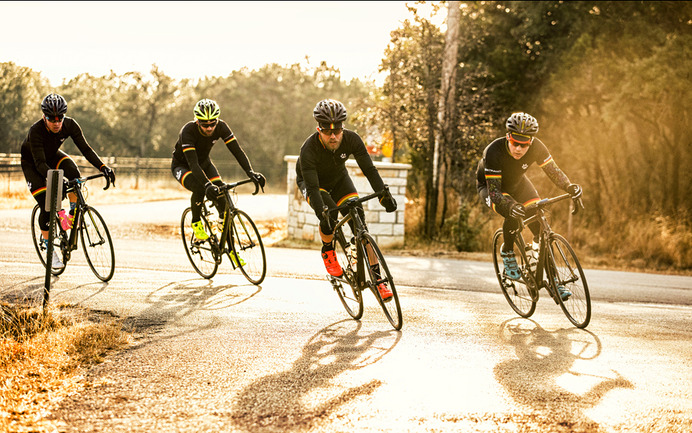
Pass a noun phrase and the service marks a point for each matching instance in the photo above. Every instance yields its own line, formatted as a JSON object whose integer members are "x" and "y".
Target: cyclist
{"x": 504, "y": 187}
{"x": 323, "y": 180}
{"x": 193, "y": 168}
{"x": 41, "y": 152}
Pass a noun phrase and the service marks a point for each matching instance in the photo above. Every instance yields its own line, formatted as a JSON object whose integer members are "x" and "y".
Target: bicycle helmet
{"x": 54, "y": 105}
{"x": 206, "y": 109}
{"x": 329, "y": 114}
{"x": 522, "y": 123}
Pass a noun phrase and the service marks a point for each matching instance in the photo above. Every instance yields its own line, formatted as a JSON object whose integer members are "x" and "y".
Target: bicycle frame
{"x": 544, "y": 236}
{"x": 75, "y": 186}
{"x": 358, "y": 229}
{"x": 227, "y": 235}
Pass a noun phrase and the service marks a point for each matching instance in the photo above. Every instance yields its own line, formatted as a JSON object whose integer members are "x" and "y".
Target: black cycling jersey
{"x": 498, "y": 172}
{"x": 192, "y": 148}
{"x": 317, "y": 167}
{"x": 498, "y": 163}
{"x": 42, "y": 145}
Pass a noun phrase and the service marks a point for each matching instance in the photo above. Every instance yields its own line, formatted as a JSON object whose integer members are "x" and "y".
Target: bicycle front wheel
{"x": 564, "y": 270}
{"x": 347, "y": 286}
{"x": 517, "y": 292}
{"x": 97, "y": 244}
{"x": 41, "y": 249}
{"x": 371, "y": 256}
{"x": 199, "y": 252}
{"x": 247, "y": 250}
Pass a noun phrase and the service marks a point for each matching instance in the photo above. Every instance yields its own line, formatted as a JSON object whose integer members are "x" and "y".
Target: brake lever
{"x": 577, "y": 203}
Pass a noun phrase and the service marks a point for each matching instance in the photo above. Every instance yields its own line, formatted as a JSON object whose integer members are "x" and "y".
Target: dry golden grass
{"x": 42, "y": 358}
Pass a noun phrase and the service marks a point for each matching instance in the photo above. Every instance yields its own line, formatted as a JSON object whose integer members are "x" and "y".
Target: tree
{"x": 445, "y": 109}
{"x": 21, "y": 92}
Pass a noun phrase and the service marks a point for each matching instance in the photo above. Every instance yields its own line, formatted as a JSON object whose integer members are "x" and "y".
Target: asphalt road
{"x": 223, "y": 355}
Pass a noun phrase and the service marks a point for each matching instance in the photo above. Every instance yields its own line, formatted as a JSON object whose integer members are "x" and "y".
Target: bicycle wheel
{"x": 347, "y": 286}
{"x": 41, "y": 249}
{"x": 97, "y": 244}
{"x": 199, "y": 252}
{"x": 391, "y": 307}
{"x": 247, "y": 247}
{"x": 517, "y": 292}
{"x": 565, "y": 270}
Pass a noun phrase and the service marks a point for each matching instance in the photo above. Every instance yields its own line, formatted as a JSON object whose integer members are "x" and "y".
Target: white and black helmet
{"x": 522, "y": 123}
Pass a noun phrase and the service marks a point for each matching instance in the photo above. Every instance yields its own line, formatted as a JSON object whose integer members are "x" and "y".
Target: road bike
{"x": 556, "y": 266}
{"x": 358, "y": 254}
{"x": 88, "y": 225}
{"x": 231, "y": 232}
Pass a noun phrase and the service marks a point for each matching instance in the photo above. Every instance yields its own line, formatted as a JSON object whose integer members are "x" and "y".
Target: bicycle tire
{"x": 350, "y": 294}
{"x": 517, "y": 292}
{"x": 564, "y": 269}
{"x": 97, "y": 244}
{"x": 247, "y": 245}
{"x": 392, "y": 307}
{"x": 200, "y": 253}
{"x": 37, "y": 238}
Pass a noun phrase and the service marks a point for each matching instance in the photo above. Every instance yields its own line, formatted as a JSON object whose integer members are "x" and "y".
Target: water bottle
{"x": 354, "y": 256}
{"x": 532, "y": 255}
{"x": 65, "y": 220}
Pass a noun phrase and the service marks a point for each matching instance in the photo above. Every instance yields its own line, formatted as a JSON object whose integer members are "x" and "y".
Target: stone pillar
{"x": 387, "y": 228}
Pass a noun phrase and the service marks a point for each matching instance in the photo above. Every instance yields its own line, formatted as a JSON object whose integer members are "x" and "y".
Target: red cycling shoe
{"x": 331, "y": 264}
{"x": 385, "y": 293}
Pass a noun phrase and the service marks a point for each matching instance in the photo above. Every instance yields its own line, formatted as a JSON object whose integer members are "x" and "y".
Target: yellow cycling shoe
{"x": 235, "y": 259}
{"x": 198, "y": 230}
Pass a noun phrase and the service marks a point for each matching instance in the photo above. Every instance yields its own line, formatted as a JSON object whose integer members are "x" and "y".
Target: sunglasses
{"x": 520, "y": 140}
{"x": 55, "y": 119}
{"x": 329, "y": 132}
{"x": 208, "y": 124}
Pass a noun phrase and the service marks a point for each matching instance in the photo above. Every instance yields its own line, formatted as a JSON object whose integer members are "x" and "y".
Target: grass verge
{"x": 43, "y": 358}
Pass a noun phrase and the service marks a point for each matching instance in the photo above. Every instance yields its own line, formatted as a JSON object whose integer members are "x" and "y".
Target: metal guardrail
{"x": 10, "y": 166}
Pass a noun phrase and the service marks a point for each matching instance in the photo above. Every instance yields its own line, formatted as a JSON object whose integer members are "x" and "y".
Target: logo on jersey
{"x": 344, "y": 156}
{"x": 178, "y": 173}
{"x": 488, "y": 202}
{"x": 62, "y": 139}
{"x": 525, "y": 166}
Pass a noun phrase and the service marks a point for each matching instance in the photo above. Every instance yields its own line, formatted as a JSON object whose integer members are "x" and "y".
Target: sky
{"x": 196, "y": 39}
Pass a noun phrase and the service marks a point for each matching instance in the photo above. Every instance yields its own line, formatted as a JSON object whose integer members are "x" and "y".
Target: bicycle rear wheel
{"x": 517, "y": 292}
{"x": 565, "y": 270}
{"x": 247, "y": 247}
{"x": 199, "y": 252}
{"x": 391, "y": 307}
{"x": 41, "y": 249}
{"x": 97, "y": 244}
{"x": 347, "y": 286}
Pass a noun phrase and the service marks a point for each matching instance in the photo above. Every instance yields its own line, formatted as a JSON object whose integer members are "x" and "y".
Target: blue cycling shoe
{"x": 564, "y": 293}
{"x": 511, "y": 268}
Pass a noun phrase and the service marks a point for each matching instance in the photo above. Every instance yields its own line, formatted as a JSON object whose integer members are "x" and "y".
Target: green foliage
{"x": 21, "y": 91}
{"x": 136, "y": 114}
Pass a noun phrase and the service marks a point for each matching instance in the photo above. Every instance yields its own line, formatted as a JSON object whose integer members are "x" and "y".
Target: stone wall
{"x": 387, "y": 228}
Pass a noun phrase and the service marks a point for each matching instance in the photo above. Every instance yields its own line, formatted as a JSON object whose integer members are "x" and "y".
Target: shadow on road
{"x": 547, "y": 379}
{"x": 29, "y": 292}
{"x": 178, "y": 299}
{"x": 280, "y": 402}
